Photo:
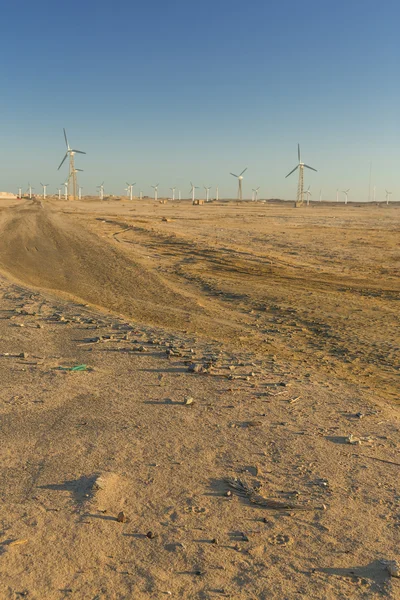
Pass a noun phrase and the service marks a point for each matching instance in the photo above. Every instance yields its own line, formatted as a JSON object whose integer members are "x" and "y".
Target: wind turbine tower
{"x": 155, "y": 188}
{"x": 217, "y": 194}
{"x": 30, "y": 188}
{"x": 44, "y": 186}
{"x": 240, "y": 179}
{"x": 80, "y": 192}
{"x": 59, "y": 193}
{"x": 300, "y": 185}
{"x": 255, "y": 190}
{"x": 101, "y": 191}
{"x": 193, "y": 191}
{"x": 346, "y": 195}
{"x": 387, "y": 196}
{"x": 308, "y": 195}
{"x": 19, "y": 192}
{"x": 207, "y": 193}
{"x": 130, "y": 189}
{"x": 72, "y": 171}
{"x": 173, "y": 193}
{"x": 140, "y": 195}
{"x": 66, "y": 189}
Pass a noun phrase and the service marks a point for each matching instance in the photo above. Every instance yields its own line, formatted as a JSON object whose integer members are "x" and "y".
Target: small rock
{"x": 228, "y": 493}
{"x": 142, "y": 349}
{"x": 189, "y": 400}
{"x": 151, "y": 535}
{"x": 122, "y": 518}
{"x": 352, "y": 440}
{"x": 393, "y": 567}
{"x": 23, "y": 355}
{"x": 196, "y": 368}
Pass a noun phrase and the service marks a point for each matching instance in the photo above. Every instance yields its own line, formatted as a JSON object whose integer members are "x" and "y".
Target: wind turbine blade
{"x": 66, "y": 140}
{"x": 312, "y": 169}
{"x": 79, "y": 170}
{"x": 298, "y": 152}
{"x": 79, "y": 151}
{"x": 292, "y": 171}
{"x": 63, "y": 161}
{"x": 234, "y": 175}
{"x": 244, "y": 170}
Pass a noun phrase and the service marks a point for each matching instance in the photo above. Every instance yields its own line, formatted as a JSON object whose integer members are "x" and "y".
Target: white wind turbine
{"x": 207, "y": 193}
{"x": 101, "y": 191}
{"x": 387, "y": 196}
{"x": 59, "y": 193}
{"x": 337, "y": 195}
{"x": 217, "y": 194}
{"x": 179, "y": 195}
{"x": 300, "y": 185}
{"x": 80, "y": 192}
{"x": 308, "y": 195}
{"x": 193, "y": 190}
{"x": 240, "y": 179}
{"x": 72, "y": 171}
{"x": 255, "y": 190}
{"x": 173, "y": 193}
{"x": 29, "y": 190}
{"x": 140, "y": 195}
{"x": 66, "y": 189}
{"x": 20, "y": 192}
{"x": 346, "y": 195}
{"x": 44, "y": 186}
{"x": 320, "y": 195}
{"x": 155, "y": 188}
{"x": 130, "y": 189}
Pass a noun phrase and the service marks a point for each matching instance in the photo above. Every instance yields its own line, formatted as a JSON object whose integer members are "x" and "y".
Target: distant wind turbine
{"x": 30, "y": 188}
{"x": 155, "y": 188}
{"x": 44, "y": 186}
{"x": 59, "y": 193}
{"x": 179, "y": 195}
{"x": 66, "y": 189}
{"x": 130, "y": 189}
{"x": 387, "y": 196}
{"x": 72, "y": 171}
{"x": 173, "y": 193}
{"x": 217, "y": 194}
{"x": 101, "y": 191}
{"x": 193, "y": 190}
{"x": 346, "y": 194}
{"x": 19, "y": 192}
{"x": 80, "y": 192}
{"x": 207, "y": 193}
{"x": 240, "y": 179}
{"x": 300, "y": 185}
{"x": 308, "y": 195}
{"x": 255, "y": 190}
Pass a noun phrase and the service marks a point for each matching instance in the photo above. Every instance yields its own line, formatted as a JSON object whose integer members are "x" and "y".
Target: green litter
{"x": 76, "y": 368}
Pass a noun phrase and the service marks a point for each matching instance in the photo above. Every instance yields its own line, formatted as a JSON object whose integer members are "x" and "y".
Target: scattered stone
{"x": 352, "y": 440}
{"x": 122, "y": 518}
{"x": 393, "y": 567}
{"x": 188, "y": 401}
{"x": 197, "y": 368}
{"x": 23, "y": 355}
{"x": 151, "y": 535}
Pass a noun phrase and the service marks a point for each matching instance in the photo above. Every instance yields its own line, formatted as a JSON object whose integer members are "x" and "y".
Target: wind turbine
{"x": 193, "y": 190}
{"x": 300, "y": 185}
{"x": 308, "y": 195}
{"x": 140, "y": 195}
{"x": 346, "y": 193}
{"x": 320, "y": 195}
{"x": 155, "y": 188}
{"x": 387, "y": 196}
{"x": 59, "y": 193}
{"x": 217, "y": 194}
{"x": 255, "y": 190}
{"x": 101, "y": 190}
{"x": 72, "y": 171}
{"x": 179, "y": 195}
{"x": 173, "y": 193}
{"x": 66, "y": 189}
{"x": 207, "y": 193}
{"x": 44, "y": 186}
{"x": 19, "y": 192}
{"x": 80, "y": 192}
{"x": 30, "y": 188}
{"x": 130, "y": 189}
{"x": 240, "y": 179}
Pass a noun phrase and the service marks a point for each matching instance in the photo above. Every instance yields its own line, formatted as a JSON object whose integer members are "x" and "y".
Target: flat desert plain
{"x": 199, "y": 401}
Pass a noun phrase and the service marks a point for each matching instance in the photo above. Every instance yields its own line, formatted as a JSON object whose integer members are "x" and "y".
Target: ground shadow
{"x": 375, "y": 572}
{"x": 82, "y": 489}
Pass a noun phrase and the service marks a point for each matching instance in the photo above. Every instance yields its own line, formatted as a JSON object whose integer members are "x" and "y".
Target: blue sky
{"x": 174, "y": 92}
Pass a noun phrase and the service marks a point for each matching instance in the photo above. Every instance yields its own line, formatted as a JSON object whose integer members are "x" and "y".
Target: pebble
{"x": 122, "y": 518}
{"x": 189, "y": 401}
{"x": 393, "y": 567}
{"x": 151, "y": 535}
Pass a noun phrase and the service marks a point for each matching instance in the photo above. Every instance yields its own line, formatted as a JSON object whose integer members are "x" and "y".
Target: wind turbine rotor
{"x": 244, "y": 171}
{"x": 295, "y": 169}
{"x": 63, "y": 160}
{"x": 312, "y": 168}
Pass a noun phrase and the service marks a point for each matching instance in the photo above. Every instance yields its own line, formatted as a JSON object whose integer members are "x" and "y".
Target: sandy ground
{"x": 230, "y": 353}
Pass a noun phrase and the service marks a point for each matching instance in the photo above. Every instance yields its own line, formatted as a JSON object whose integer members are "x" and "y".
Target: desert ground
{"x": 199, "y": 401}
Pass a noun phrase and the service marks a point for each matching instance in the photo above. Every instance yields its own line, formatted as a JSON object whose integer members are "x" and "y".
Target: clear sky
{"x": 176, "y": 91}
